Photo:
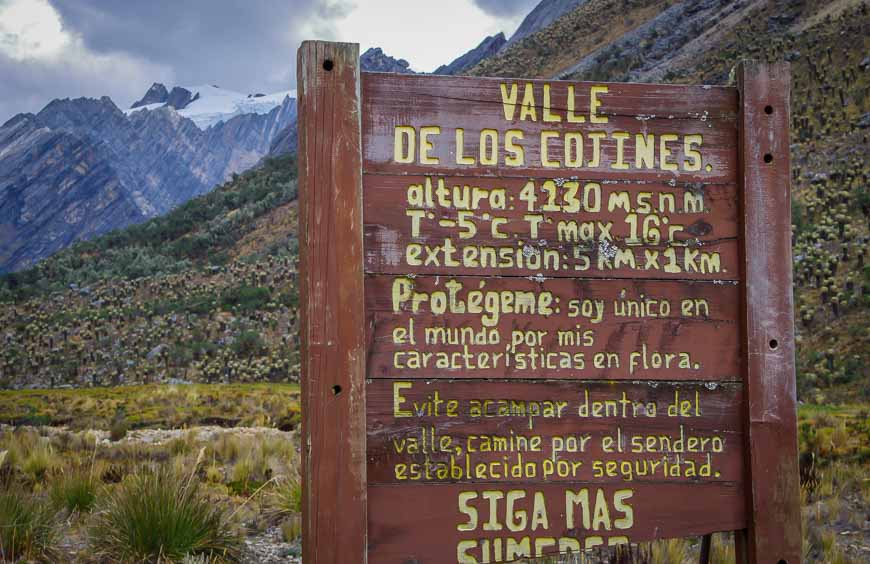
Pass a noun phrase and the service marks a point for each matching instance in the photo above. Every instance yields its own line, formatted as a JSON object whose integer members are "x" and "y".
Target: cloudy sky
{"x": 68, "y": 48}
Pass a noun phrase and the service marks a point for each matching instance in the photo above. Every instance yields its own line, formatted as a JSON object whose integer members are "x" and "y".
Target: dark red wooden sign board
{"x": 541, "y": 317}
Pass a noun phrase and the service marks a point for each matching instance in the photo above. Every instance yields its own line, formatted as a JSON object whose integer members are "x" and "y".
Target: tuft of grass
{"x": 669, "y": 551}
{"x": 74, "y": 492}
{"x": 287, "y": 496}
{"x": 27, "y": 529}
{"x": 158, "y": 517}
{"x": 291, "y": 528}
{"x": 722, "y": 549}
{"x": 39, "y": 462}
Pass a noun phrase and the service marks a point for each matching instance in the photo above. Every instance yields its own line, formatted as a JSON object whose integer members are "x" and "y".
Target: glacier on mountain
{"x": 212, "y": 104}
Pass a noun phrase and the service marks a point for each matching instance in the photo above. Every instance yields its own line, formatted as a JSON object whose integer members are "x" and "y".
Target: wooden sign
{"x": 541, "y": 317}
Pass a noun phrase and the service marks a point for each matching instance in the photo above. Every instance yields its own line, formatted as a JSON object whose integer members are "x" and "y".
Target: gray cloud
{"x": 121, "y": 47}
{"x": 28, "y": 85}
{"x": 244, "y": 45}
{"x": 505, "y": 9}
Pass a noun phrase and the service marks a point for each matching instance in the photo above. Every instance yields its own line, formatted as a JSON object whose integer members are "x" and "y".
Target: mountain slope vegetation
{"x": 700, "y": 42}
{"x": 207, "y": 292}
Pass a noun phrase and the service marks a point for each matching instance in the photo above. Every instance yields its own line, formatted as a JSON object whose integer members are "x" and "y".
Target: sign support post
{"x": 331, "y": 297}
{"x": 774, "y": 533}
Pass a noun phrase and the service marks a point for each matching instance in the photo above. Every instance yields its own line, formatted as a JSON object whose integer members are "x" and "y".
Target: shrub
{"x": 26, "y": 529}
{"x": 249, "y": 344}
{"x": 118, "y": 430}
{"x": 159, "y": 517}
{"x": 246, "y": 298}
{"x": 119, "y": 427}
{"x": 74, "y": 492}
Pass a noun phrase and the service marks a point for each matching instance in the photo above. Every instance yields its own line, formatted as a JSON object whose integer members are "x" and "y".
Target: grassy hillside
{"x": 206, "y": 293}
{"x": 827, "y": 44}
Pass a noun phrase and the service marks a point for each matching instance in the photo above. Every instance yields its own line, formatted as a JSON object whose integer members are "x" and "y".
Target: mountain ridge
{"x": 485, "y": 49}
{"x": 168, "y": 147}
{"x": 126, "y": 168}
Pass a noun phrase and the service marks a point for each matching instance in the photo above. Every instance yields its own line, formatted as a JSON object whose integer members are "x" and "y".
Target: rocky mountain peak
{"x": 177, "y": 98}
{"x": 18, "y": 119}
{"x": 487, "y": 48}
{"x": 545, "y": 13}
{"x": 180, "y": 98}
{"x": 80, "y": 113}
{"x": 81, "y": 167}
{"x": 157, "y": 94}
{"x": 376, "y": 60}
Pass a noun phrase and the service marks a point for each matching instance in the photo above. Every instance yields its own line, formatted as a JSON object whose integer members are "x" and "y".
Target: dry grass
{"x": 252, "y": 477}
{"x": 236, "y": 478}
{"x": 155, "y": 406}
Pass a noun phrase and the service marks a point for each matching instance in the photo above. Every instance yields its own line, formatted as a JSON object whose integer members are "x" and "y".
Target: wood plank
{"x": 565, "y": 431}
{"x": 566, "y": 227}
{"x": 419, "y": 523}
{"x": 671, "y": 101}
{"x": 475, "y": 104}
{"x": 775, "y": 530}
{"x": 591, "y": 317}
{"x": 331, "y": 299}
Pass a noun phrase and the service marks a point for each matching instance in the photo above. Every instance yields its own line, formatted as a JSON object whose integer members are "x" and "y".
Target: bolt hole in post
{"x": 773, "y": 344}
{"x": 768, "y": 110}
{"x": 327, "y": 65}
{"x": 768, "y": 158}
{"x": 336, "y": 390}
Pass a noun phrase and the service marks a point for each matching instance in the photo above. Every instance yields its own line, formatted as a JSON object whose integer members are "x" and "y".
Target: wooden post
{"x": 332, "y": 315}
{"x": 706, "y": 545}
{"x": 774, "y": 533}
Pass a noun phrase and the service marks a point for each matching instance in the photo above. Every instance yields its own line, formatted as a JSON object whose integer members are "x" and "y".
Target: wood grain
{"x": 457, "y": 439}
{"x": 775, "y": 531}
{"x": 712, "y": 340}
{"x": 387, "y": 228}
{"x": 332, "y": 309}
{"x": 473, "y": 104}
{"x": 419, "y": 523}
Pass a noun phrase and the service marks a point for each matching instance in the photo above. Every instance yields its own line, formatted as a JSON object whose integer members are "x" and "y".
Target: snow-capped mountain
{"x": 82, "y": 167}
{"x": 208, "y": 104}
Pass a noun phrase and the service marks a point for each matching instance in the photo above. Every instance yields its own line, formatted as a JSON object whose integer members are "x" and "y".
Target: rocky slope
{"x": 375, "y": 60}
{"x": 43, "y": 206}
{"x": 83, "y": 167}
{"x": 542, "y": 15}
{"x": 487, "y": 48}
{"x": 205, "y": 293}
{"x": 700, "y": 42}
